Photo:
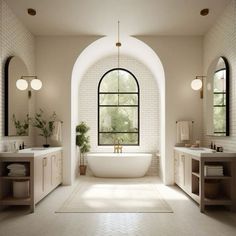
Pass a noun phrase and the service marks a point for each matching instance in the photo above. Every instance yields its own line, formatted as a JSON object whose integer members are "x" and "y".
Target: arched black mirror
{"x": 16, "y": 98}
{"x": 217, "y": 98}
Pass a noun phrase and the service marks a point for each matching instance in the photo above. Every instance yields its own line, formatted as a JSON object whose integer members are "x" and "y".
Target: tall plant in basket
{"x": 82, "y": 141}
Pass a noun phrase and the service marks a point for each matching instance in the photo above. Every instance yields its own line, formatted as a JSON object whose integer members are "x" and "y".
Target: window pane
{"x": 127, "y": 83}
{"x": 127, "y": 138}
{"x": 108, "y": 99}
{"x": 219, "y": 99}
{"x": 128, "y": 99}
{"x": 118, "y": 112}
{"x": 220, "y": 81}
{"x": 219, "y": 119}
{"x": 118, "y": 79}
{"x": 109, "y": 82}
{"x": 118, "y": 119}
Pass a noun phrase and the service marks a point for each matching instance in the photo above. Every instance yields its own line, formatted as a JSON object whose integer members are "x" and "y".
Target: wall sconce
{"x": 197, "y": 84}
{"x": 22, "y": 84}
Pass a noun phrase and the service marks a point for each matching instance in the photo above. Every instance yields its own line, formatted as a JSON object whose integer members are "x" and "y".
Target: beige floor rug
{"x": 115, "y": 195}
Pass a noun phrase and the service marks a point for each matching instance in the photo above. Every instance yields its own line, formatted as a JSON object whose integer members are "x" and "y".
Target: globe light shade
{"x": 21, "y": 84}
{"x": 196, "y": 84}
{"x": 36, "y": 84}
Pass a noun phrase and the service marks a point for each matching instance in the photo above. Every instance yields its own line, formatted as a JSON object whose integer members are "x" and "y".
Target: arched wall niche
{"x": 102, "y": 48}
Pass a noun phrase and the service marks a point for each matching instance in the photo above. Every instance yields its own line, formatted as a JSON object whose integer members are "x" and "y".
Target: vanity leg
{"x": 202, "y": 207}
{"x": 202, "y": 186}
{"x": 32, "y": 208}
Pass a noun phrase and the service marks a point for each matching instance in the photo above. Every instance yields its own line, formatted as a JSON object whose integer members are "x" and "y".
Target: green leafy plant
{"x": 82, "y": 141}
{"x": 22, "y": 127}
{"x": 46, "y": 127}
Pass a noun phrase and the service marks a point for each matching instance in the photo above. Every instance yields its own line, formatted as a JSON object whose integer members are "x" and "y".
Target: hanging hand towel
{"x": 183, "y": 131}
{"x": 57, "y": 132}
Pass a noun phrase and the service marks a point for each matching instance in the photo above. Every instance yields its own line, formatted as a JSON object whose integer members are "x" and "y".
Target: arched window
{"x": 118, "y": 108}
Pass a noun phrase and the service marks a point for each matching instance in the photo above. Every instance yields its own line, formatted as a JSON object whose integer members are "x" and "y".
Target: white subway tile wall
{"x": 15, "y": 40}
{"x": 220, "y": 40}
{"x": 149, "y": 106}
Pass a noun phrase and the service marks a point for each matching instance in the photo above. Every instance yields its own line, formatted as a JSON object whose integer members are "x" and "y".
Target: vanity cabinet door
{"x": 176, "y": 167}
{"x": 188, "y": 173}
{"x": 38, "y": 178}
{"x": 183, "y": 173}
{"x": 47, "y": 175}
{"x": 179, "y": 169}
{"x": 56, "y": 160}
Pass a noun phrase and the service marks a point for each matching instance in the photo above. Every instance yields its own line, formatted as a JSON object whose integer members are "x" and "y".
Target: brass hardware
{"x": 45, "y": 161}
{"x": 117, "y": 147}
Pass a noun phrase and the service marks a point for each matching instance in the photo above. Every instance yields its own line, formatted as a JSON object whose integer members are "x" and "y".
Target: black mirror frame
{"x": 6, "y": 95}
{"x": 227, "y": 96}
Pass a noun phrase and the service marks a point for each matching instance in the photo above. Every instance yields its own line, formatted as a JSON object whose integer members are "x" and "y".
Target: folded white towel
{"x": 57, "y": 132}
{"x": 14, "y": 174}
{"x": 16, "y": 166}
{"x": 213, "y": 167}
{"x": 18, "y": 171}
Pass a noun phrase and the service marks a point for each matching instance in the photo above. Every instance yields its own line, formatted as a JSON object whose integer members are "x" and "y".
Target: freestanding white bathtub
{"x": 119, "y": 165}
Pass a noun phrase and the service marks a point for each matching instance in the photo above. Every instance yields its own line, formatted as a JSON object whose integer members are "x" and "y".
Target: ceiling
{"x": 99, "y": 17}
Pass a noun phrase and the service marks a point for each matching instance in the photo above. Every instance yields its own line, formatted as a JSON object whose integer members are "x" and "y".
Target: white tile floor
{"x": 186, "y": 219}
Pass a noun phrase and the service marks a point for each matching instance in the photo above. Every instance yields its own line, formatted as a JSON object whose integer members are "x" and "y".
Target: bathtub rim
{"x": 116, "y": 155}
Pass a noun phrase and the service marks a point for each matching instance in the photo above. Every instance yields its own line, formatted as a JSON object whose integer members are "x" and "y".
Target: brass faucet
{"x": 117, "y": 146}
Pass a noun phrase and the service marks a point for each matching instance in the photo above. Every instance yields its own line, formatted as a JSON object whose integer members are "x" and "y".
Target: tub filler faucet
{"x": 117, "y": 147}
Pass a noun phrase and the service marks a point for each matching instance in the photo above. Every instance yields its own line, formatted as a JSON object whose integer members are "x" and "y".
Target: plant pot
{"x": 46, "y": 145}
{"x": 82, "y": 169}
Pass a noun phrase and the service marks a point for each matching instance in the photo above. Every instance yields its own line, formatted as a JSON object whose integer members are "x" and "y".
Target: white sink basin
{"x": 37, "y": 148}
{"x": 197, "y": 148}
{"x": 202, "y": 149}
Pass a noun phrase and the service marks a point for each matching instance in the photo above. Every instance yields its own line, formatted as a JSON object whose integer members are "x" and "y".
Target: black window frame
{"x": 138, "y": 107}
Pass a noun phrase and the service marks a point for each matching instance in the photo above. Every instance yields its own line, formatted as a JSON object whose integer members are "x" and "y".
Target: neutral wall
{"x": 15, "y": 40}
{"x": 55, "y": 58}
{"x": 182, "y": 61}
{"x": 220, "y": 40}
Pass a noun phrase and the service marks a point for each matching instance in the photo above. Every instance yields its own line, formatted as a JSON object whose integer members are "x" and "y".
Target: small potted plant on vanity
{"x": 82, "y": 141}
{"x": 46, "y": 127}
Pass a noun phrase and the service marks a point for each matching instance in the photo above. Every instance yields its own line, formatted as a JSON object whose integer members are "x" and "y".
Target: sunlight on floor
{"x": 116, "y": 195}
{"x": 97, "y": 191}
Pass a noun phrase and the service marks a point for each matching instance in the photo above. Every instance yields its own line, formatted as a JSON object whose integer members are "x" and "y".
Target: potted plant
{"x": 82, "y": 141}
{"x": 46, "y": 127}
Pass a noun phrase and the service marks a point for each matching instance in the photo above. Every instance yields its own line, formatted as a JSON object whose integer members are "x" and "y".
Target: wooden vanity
{"x": 190, "y": 177}
{"x": 44, "y": 173}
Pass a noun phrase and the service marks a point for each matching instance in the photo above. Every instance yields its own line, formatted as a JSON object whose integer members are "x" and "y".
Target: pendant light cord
{"x": 118, "y": 44}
